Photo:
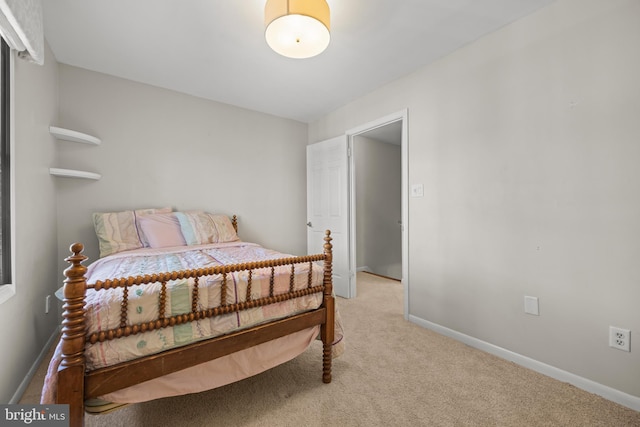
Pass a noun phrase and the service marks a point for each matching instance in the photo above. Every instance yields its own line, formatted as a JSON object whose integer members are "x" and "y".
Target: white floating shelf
{"x": 72, "y": 135}
{"x": 72, "y": 173}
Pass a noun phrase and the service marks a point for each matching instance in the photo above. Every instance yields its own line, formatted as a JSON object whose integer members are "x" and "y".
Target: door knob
{"x": 309, "y": 224}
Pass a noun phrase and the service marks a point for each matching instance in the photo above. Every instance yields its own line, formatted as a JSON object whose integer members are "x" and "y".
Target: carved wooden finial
{"x": 327, "y": 241}
{"x": 74, "y": 284}
{"x": 76, "y": 269}
{"x": 73, "y": 329}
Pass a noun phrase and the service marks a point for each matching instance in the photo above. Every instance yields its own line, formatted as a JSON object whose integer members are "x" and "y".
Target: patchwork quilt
{"x": 104, "y": 306}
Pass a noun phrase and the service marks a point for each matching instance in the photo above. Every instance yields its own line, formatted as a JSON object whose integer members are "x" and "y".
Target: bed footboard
{"x": 75, "y": 384}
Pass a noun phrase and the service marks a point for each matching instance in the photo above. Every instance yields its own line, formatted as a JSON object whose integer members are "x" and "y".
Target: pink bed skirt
{"x": 206, "y": 376}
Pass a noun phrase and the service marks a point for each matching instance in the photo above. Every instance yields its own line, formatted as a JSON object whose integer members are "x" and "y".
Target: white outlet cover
{"x": 620, "y": 338}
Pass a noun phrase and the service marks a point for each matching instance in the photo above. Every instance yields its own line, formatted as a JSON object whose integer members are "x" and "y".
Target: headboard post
{"x": 234, "y": 222}
{"x": 72, "y": 366}
{"x": 327, "y": 329}
{"x": 328, "y": 263}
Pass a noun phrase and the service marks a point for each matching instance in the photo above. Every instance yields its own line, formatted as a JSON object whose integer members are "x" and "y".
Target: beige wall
{"x": 162, "y": 148}
{"x": 526, "y": 142}
{"x": 24, "y": 327}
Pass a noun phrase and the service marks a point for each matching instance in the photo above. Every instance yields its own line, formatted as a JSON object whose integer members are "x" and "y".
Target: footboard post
{"x": 327, "y": 329}
{"x": 72, "y": 367}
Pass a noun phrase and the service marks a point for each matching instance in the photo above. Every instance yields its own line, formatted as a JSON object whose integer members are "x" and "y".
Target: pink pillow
{"x": 140, "y": 212}
{"x": 162, "y": 230}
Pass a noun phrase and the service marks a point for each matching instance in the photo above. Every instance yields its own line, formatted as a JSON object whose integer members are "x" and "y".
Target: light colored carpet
{"x": 393, "y": 373}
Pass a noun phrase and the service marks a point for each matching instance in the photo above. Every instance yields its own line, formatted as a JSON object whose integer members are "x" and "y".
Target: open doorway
{"x": 386, "y": 136}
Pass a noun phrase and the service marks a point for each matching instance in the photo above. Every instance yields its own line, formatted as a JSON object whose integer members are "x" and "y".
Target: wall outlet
{"x": 620, "y": 338}
{"x": 47, "y": 304}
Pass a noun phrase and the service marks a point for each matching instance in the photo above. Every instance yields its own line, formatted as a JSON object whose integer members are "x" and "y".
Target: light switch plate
{"x": 531, "y": 305}
{"x": 417, "y": 190}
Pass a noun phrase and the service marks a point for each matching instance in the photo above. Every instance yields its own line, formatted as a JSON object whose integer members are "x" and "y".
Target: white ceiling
{"x": 215, "y": 49}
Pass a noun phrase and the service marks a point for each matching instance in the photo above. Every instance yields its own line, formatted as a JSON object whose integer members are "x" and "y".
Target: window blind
{"x": 22, "y": 28}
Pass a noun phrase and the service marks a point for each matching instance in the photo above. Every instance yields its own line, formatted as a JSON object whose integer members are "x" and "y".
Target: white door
{"x": 328, "y": 205}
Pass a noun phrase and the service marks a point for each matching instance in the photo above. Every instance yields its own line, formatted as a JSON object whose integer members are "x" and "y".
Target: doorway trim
{"x": 401, "y": 115}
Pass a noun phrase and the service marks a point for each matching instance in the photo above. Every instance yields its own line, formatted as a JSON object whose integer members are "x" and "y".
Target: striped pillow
{"x": 226, "y": 232}
{"x": 120, "y": 231}
{"x": 199, "y": 227}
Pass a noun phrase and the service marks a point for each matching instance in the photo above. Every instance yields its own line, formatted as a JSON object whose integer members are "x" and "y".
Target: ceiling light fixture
{"x": 297, "y": 28}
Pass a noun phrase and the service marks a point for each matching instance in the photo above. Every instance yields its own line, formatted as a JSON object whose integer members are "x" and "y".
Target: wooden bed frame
{"x": 75, "y": 383}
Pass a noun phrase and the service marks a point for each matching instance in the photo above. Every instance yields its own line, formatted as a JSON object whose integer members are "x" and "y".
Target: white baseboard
{"x": 27, "y": 379}
{"x": 363, "y": 268}
{"x": 608, "y": 393}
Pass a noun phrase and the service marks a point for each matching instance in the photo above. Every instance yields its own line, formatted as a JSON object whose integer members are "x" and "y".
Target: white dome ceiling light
{"x": 297, "y": 28}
